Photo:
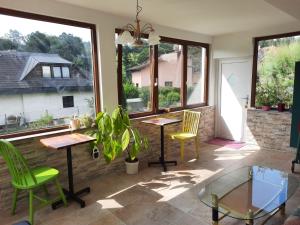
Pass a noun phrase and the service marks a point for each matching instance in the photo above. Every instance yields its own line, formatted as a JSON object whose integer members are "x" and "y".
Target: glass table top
{"x": 256, "y": 189}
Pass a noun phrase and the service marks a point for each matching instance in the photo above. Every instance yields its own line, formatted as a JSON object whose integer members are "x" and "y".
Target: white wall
{"x": 34, "y": 106}
{"x": 106, "y": 25}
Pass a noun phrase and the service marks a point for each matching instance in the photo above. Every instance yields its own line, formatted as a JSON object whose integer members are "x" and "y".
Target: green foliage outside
{"x": 168, "y": 97}
{"x": 45, "y": 121}
{"x": 116, "y": 135}
{"x": 66, "y": 45}
{"x": 276, "y": 71}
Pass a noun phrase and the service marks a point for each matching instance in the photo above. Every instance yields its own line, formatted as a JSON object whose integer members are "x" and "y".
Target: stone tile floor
{"x": 156, "y": 198}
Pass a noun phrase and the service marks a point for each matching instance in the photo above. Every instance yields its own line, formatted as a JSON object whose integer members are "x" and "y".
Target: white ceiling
{"x": 212, "y": 17}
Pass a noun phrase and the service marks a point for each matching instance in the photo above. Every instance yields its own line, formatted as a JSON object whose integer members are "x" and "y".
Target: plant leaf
{"x": 125, "y": 139}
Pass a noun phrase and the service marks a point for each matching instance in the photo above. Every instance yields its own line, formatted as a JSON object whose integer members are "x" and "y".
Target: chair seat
{"x": 182, "y": 135}
{"x": 41, "y": 174}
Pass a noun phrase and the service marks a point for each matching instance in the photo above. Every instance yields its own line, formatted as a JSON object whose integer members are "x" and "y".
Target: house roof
{"x": 15, "y": 67}
{"x": 173, "y": 56}
{"x": 36, "y": 58}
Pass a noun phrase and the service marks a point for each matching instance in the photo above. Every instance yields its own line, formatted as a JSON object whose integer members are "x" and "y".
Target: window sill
{"x": 44, "y": 134}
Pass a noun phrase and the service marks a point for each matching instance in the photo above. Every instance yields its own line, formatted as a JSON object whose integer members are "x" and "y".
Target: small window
{"x": 68, "y": 101}
{"x": 168, "y": 84}
{"x": 56, "y": 72}
{"x": 46, "y": 71}
{"x": 66, "y": 72}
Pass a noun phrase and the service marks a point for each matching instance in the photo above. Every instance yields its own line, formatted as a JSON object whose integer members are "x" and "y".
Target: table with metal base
{"x": 70, "y": 194}
{"x": 162, "y": 122}
{"x": 66, "y": 142}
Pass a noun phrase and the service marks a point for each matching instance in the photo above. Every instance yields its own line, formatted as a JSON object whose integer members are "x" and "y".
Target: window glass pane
{"x": 195, "y": 74}
{"x": 276, "y": 70}
{"x": 68, "y": 101}
{"x": 46, "y": 70}
{"x": 136, "y": 79}
{"x": 28, "y": 48}
{"x": 56, "y": 72}
{"x": 66, "y": 72}
{"x": 170, "y": 61}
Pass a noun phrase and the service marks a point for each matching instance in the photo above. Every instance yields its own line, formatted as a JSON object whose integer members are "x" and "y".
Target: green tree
{"x": 6, "y": 44}
{"x": 37, "y": 42}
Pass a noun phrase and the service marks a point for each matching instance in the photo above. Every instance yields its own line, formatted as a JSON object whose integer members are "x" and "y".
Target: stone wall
{"x": 269, "y": 129}
{"x": 84, "y": 167}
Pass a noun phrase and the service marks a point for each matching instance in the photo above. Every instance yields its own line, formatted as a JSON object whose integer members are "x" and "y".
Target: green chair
{"x": 24, "y": 178}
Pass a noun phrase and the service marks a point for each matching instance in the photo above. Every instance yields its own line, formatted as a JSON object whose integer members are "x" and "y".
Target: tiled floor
{"x": 156, "y": 198}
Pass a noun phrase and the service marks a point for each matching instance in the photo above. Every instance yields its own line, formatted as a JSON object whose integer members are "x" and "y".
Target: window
{"x": 274, "y": 69}
{"x": 44, "y": 47}
{"x": 195, "y": 74}
{"x": 168, "y": 84}
{"x": 68, "y": 101}
{"x": 136, "y": 79}
{"x": 168, "y": 77}
{"x": 170, "y": 64}
{"x": 66, "y": 72}
{"x": 46, "y": 70}
{"x": 56, "y": 72}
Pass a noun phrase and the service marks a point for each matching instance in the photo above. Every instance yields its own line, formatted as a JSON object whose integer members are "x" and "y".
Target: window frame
{"x": 256, "y": 40}
{"x": 154, "y": 76}
{"x": 94, "y": 54}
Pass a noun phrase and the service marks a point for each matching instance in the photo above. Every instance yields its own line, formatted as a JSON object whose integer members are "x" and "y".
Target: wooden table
{"x": 162, "y": 122}
{"x": 67, "y": 142}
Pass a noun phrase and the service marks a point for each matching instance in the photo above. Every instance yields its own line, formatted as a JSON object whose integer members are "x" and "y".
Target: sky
{"x": 27, "y": 26}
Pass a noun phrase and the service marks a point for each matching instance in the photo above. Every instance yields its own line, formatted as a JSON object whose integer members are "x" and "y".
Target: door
{"x": 234, "y": 88}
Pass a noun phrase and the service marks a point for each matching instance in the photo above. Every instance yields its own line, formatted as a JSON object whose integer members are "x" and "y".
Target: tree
{"x": 37, "y": 42}
{"x": 6, "y": 44}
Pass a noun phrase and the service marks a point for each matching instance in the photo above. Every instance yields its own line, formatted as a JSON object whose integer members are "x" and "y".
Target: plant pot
{"x": 281, "y": 107}
{"x": 132, "y": 167}
{"x": 266, "y": 108}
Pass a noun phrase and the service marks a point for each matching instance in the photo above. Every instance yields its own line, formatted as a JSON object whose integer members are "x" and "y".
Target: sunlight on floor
{"x": 109, "y": 204}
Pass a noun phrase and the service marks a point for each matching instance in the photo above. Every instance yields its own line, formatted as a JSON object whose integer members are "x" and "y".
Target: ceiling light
{"x": 133, "y": 34}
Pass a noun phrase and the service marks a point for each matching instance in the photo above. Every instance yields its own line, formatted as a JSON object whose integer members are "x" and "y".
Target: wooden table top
{"x": 68, "y": 140}
{"x": 161, "y": 121}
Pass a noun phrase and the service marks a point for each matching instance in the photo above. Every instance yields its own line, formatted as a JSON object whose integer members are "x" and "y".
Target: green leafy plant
{"x": 266, "y": 95}
{"x": 116, "y": 135}
{"x": 45, "y": 120}
{"x": 86, "y": 120}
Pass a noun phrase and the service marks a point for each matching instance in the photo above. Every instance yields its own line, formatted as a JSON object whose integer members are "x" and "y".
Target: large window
{"x": 35, "y": 51}
{"x": 274, "y": 69}
{"x": 170, "y": 76}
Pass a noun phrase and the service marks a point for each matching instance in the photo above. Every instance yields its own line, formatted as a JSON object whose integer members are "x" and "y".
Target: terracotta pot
{"x": 281, "y": 107}
{"x": 266, "y": 107}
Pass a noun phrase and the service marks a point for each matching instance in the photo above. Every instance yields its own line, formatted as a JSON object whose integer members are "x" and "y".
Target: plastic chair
{"x": 24, "y": 178}
{"x": 190, "y": 126}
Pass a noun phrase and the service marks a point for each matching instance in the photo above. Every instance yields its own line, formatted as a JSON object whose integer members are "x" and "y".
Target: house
{"x": 207, "y": 82}
{"x": 169, "y": 66}
{"x": 35, "y": 84}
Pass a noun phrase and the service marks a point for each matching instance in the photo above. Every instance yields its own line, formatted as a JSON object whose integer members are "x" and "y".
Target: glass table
{"x": 249, "y": 193}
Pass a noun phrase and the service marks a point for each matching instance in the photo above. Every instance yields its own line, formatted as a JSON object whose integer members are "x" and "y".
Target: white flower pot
{"x": 132, "y": 167}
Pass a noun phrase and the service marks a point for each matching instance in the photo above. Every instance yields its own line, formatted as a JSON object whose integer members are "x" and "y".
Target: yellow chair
{"x": 190, "y": 126}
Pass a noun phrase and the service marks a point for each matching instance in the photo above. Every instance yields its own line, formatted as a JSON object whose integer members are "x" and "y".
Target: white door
{"x": 234, "y": 86}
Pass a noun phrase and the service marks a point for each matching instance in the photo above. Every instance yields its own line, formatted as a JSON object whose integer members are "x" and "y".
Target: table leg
{"x": 215, "y": 212}
{"x": 162, "y": 161}
{"x": 70, "y": 195}
{"x": 282, "y": 209}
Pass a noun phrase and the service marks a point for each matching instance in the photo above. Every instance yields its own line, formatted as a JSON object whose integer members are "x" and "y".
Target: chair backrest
{"x": 16, "y": 163}
{"x": 191, "y": 121}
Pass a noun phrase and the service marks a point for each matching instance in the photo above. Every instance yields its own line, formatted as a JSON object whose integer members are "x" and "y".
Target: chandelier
{"x": 133, "y": 34}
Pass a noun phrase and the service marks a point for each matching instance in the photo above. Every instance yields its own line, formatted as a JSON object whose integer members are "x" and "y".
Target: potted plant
{"x": 265, "y": 96}
{"x": 86, "y": 120}
{"x": 116, "y": 135}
